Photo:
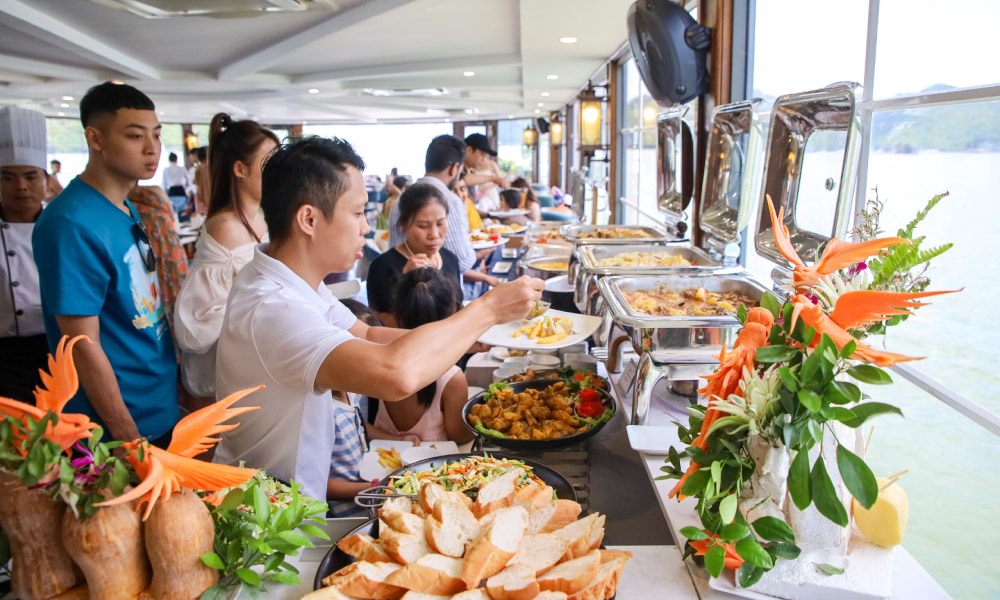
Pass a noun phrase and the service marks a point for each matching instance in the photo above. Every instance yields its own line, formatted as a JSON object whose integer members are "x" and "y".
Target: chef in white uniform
{"x": 23, "y": 348}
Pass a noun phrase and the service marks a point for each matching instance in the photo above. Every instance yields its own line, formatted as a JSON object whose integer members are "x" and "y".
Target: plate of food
{"x": 552, "y": 330}
{"x": 440, "y": 542}
{"x": 506, "y": 214}
{"x": 481, "y": 240}
{"x": 508, "y": 230}
{"x": 541, "y": 414}
{"x": 385, "y": 456}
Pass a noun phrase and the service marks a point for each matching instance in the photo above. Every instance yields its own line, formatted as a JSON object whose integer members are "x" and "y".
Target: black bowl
{"x": 513, "y": 444}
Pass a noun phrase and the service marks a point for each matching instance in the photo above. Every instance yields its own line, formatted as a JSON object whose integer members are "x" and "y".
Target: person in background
{"x": 478, "y": 163}
{"x": 461, "y": 190}
{"x": 285, "y": 329}
{"x": 529, "y": 201}
{"x": 394, "y": 188}
{"x": 434, "y": 413}
{"x": 97, "y": 273}
{"x": 52, "y": 182}
{"x": 157, "y": 214}
{"x": 423, "y": 216}
{"x": 233, "y": 228}
{"x": 202, "y": 182}
{"x": 176, "y": 184}
{"x": 443, "y": 163}
{"x": 23, "y": 181}
{"x": 511, "y": 200}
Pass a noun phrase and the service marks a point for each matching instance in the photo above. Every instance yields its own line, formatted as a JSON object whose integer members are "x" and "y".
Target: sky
{"x": 806, "y": 44}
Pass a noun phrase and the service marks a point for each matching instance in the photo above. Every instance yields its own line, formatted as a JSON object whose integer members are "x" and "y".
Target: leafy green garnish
{"x": 494, "y": 389}
{"x": 487, "y": 431}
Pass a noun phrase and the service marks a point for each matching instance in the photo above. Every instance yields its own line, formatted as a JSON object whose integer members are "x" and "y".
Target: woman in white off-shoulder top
{"x": 237, "y": 151}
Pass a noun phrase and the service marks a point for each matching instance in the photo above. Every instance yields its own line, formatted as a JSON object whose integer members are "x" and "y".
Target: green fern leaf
{"x": 908, "y": 231}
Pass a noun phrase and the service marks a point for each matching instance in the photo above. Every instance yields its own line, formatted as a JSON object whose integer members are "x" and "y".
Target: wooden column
{"x": 613, "y": 109}
{"x": 186, "y": 130}
{"x": 295, "y": 131}
{"x": 554, "y": 165}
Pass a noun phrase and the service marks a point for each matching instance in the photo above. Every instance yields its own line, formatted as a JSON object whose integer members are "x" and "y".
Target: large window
{"x": 638, "y": 150}
{"x": 384, "y": 147}
{"x": 931, "y": 117}
{"x": 513, "y": 156}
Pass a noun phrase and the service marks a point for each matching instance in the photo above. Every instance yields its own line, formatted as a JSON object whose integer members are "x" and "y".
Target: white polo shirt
{"x": 277, "y": 331}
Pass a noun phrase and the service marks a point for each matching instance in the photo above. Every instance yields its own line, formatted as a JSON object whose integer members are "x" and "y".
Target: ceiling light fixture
{"x": 469, "y": 73}
{"x": 553, "y": 77}
{"x": 64, "y": 105}
{"x": 313, "y": 91}
{"x": 568, "y": 39}
{"x": 117, "y": 81}
{"x": 62, "y": 114}
{"x": 510, "y": 116}
{"x": 538, "y": 112}
{"x": 545, "y": 94}
{"x": 541, "y": 104}
{"x": 68, "y": 98}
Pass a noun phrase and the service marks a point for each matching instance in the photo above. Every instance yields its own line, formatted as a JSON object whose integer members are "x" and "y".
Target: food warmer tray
{"x": 588, "y": 297}
{"x": 572, "y": 234}
{"x": 663, "y": 341}
{"x": 531, "y": 268}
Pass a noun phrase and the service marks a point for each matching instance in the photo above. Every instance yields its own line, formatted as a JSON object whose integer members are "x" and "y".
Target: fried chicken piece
{"x": 518, "y": 429}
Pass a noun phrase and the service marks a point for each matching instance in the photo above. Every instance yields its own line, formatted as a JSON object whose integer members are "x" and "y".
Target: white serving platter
{"x": 503, "y": 335}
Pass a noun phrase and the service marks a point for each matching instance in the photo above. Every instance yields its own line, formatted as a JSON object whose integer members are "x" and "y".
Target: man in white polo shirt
{"x": 284, "y": 329}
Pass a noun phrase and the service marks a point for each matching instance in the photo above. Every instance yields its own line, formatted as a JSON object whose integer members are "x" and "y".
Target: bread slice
{"x": 597, "y": 533}
{"x": 397, "y": 504}
{"x": 328, "y": 593}
{"x": 411, "y": 595}
{"x": 430, "y": 493}
{"x": 553, "y": 516}
{"x": 550, "y": 596}
{"x": 364, "y": 547}
{"x": 533, "y": 496}
{"x": 497, "y": 545}
{"x": 540, "y": 552}
{"x": 498, "y": 493}
{"x": 513, "y": 583}
{"x": 577, "y": 536}
{"x": 431, "y": 574}
{"x": 604, "y": 585}
{"x": 366, "y": 580}
{"x": 473, "y": 594}
{"x": 609, "y": 555}
{"x": 404, "y": 522}
{"x": 619, "y": 561}
{"x": 573, "y": 575}
{"x": 451, "y": 529}
{"x": 404, "y": 548}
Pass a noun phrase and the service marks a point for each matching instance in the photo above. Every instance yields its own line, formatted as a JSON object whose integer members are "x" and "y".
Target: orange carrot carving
{"x": 726, "y": 379}
{"x": 166, "y": 471}
{"x": 59, "y": 385}
{"x": 733, "y": 559}
{"x": 836, "y": 256}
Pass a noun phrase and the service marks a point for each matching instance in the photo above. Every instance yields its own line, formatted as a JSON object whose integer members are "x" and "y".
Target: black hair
{"x": 444, "y": 151}
{"x": 55, "y": 162}
{"x": 400, "y": 182}
{"x": 364, "y": 314}
{"x": 523, "y": 184}
{"x": 108, "y": 98}
{"x": 414, "y": 198}
{"x": 423, "y": 296}
{"x": 172, "y": 157}
{"x": 202, "y": 153}
{"x": 230, "y": 141}
{"x": 311, "y": 170}
{"x": 511, "y": 197}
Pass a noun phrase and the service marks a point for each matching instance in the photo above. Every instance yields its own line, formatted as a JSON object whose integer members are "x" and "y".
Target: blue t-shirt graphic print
{"x": 90, "y": 258}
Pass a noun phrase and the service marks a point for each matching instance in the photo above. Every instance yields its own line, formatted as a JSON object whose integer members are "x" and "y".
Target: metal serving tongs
{"x": 540, "y": 308}
{"x": 376, "y": 496}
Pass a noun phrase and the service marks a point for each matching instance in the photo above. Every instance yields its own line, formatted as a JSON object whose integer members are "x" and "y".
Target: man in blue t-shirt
{"x": 97, "y": 273}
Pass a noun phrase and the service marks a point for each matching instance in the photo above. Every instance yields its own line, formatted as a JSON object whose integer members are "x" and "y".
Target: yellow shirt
{"x": 475, "y": 221}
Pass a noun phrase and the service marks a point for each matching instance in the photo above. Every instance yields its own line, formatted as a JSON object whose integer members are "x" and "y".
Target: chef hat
{"x": 22, "y": 138}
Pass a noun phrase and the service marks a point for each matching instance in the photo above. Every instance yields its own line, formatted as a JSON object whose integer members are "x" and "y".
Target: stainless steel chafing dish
{"x": 588, "y": 297}
{"x": 537, "y": 250}
{"x": 573, "y": 235}
{"x": 534, "y": 267}
{"x": 666, "y": 344}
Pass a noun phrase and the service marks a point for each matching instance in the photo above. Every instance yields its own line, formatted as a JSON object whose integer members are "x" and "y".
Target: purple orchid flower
{"x": 854, "y": 270}
{"x": 82, "y": 461}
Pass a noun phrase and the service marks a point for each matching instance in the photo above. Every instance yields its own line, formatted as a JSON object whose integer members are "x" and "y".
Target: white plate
{"x": 505, "y": 214}
{"x": 502, "y": 335}
{"x": 483, "y": 245}
{"x": 559, "y": 284}
{"x": 370, "y": 469}
{"x": 523, "y": 229}
{"x": 650, "y": 439}
{"x": 502, "y": 353}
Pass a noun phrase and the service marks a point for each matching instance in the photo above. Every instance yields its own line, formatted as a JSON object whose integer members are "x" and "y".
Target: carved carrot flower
{"x": 59, "y": 385}
{"x": 164, "y": 472}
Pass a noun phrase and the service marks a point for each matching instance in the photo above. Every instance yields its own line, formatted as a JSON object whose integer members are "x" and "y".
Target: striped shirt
{"x": 348, "y": 448}
{"x": 457, "y": 239}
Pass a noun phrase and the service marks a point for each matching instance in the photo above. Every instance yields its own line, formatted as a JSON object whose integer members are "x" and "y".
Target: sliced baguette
{"x": 497, "y": 545}
{"x": 366, "y": 580}
{"x": 364, "y": 547}
{"x": 431, "y": 574}
{"x": 404, "y": 522}
{"x": 430, "y": 493}
{"x": 533, "y": 496}
{"x": 597, "y": 533}
{"x": 553, "y": 516}
{"x": 404, "y": 548}
{"x": 327, "y": 593}
{"x": 513, "y": 583}
{"x": 571, "y": 576}
{"x": 411, "y": 595}
{"x": 397, "y": 504}
{"x": 540, "y": 552}
{"x": 604, "y": 584}
{"x": 609, "y": 555}
{"x": 451, "y": 529}
{"x": 498, "y": 493}
{"x": 577, "y": 536}
{"x": 551, "y": 596}
{"x": 473, "y": 594}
